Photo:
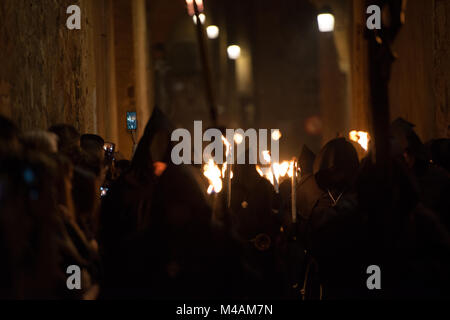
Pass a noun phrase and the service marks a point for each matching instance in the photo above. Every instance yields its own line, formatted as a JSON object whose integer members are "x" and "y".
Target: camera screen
{"x": 109, "y": 147}
{"x": 103, "y": 191}
{"x": 131, "y": 121}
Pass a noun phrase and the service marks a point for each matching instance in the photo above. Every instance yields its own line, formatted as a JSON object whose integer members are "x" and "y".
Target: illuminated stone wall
{"x": 44, "y": 74}
{"x": 420, "y": 85}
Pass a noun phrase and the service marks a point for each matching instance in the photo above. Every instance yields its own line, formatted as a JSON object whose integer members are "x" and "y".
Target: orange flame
{"x": 360, "y": 137}
{"x": 212, "y": 172}
{"x": 277, "y": 171}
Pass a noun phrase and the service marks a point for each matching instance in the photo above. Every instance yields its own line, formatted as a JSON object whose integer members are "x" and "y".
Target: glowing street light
{"x": 199, "y": 5}
{"x": 212, "y": 32}
{"x": 201, "y": 16}
{"x": 190, "y": 6}
{"x": 234, "y": 52}
{"x": 326, "y": 20}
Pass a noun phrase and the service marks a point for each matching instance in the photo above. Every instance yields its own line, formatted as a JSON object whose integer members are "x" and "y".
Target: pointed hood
{"x": 306, "y": 160}
{"x": 336, "y": 165}
{"x": 155, "y": 145}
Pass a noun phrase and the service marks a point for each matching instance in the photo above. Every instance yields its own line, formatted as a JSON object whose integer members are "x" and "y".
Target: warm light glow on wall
{"x": 234, "y": 52}
{"x": 213, "y": 32}
{"x": 326, "y": 22}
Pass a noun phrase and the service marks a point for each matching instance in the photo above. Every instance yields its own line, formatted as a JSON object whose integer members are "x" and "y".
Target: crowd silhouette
{"x": 147, "y": 229}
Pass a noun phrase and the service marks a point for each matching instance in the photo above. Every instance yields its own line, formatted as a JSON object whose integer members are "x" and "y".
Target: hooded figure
{"x": 306, "y": 160}
{"x": 407, "y": 239}
{"x": 125, "y": 212}
{"x": 157, "y": 136}
{"x": 336, "y": 166}
{"x": 161, "y": 239}
{"x": 432, "y": 181}
{"x": 127, "y": 207}
{"x": 251, "y": 202}
{"x": 407, "y": 143}
{"x": 329, "y": 222}
{"x": 256, "y": 226}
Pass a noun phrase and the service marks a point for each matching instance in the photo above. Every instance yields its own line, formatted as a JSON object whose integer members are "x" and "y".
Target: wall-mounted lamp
{"x": 212, "y": 32}
{"x": 325, "y": 19}
{"x": 234, "y": 52}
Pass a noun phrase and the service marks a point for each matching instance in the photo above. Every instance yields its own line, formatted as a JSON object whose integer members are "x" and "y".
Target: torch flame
{"x": 267, "y": 157}
{"x": 278, "y": 171}
{"x": 266, "y": 173}
{"x": 260, "y": 172}
{"x": 360, "y": 137}
{"x": 291, "y": 170}
{"x": 238, "y": 138}
{"x": 224, "y": 170}
{"x": 212, "y": 172}
{"x": 227, "y": 145}
{"x": 276, "y": 135}
{"x": 215, "y": 175}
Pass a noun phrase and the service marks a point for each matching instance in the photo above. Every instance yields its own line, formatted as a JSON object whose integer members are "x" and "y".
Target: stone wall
{"x": 420, "y": 85}
{"x": 45, "y": 75}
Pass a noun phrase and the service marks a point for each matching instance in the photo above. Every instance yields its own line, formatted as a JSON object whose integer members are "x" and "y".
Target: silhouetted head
{"x": 69, "y": 137}
{"x": 93, "y": 144}
{"x": 40, "y": 140}
{"x": 407, "y": 144}
{"x": 154, "y": 146}
{"x": 336, "y": 165}
{"x": 91, "y": 162}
